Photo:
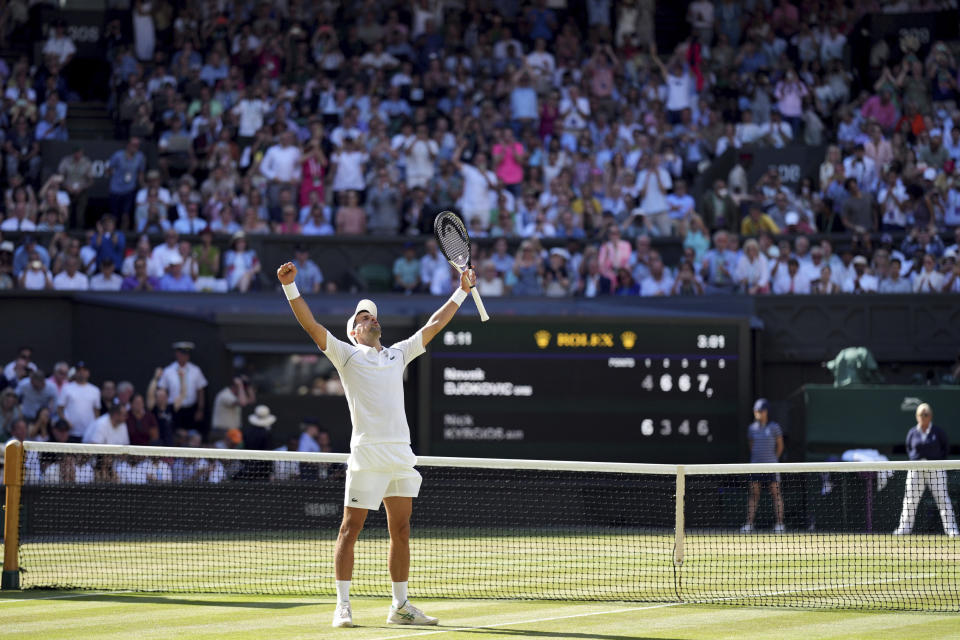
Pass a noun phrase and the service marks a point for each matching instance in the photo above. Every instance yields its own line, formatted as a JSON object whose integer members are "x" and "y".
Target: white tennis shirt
{"x": 373, "y": 384}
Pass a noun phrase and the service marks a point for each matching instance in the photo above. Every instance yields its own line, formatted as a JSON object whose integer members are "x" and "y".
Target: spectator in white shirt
{"x": 108, "y": 279}
{"x": 71, "y": 278}
{"x": 860, "y": 281}
{"x": 659, "y": 282}
{"x": 162, "y": 253}
{"x": 79, "y": 402}
{"x": 792, "y": 281}
{"x": 777, "y": 133}
{"x": 929, "y": 280}
{"x": 479, "y": 185}
{"x": 653, "y": 183}
{"x": 574, "y": 110}
{"x": 349, "y": 167}
{"x": 752, "y": 272}
{"x": 110, "y": 428}
{"x": 59, "y": 45}
{"x": 281, "y": 166}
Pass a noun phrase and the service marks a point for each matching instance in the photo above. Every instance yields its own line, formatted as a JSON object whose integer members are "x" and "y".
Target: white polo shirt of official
{"x": 373, "y": 385}
{"x": 194, "y": 381}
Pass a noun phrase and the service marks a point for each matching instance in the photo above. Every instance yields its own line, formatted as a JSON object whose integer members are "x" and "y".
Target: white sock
{"x": 343, "y": 592}
{"x": 399, "y": 594}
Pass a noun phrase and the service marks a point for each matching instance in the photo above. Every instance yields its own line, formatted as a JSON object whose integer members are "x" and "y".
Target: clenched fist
{"x": 287, "y": 273}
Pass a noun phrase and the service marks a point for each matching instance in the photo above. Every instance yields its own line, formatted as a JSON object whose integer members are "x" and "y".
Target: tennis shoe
{"x": 779, "y": 528}
{"x": 747, "y": 528}
{"x": 900, "y": 531}
{"x": 409, "y": 614}
{"x": 343, "y": 617}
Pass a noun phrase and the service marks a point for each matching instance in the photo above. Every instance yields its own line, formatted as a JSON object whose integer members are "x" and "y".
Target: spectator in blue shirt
{"x": 309, "y": 277}
{"x": 176, "y": 279}
{"x": 926, "y": 441}
{"x": 125, "y": 169}
{"x": 766, "y": 446}
{"x": 108, "y": 242}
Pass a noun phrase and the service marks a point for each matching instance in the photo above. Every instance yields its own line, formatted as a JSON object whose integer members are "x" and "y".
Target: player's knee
{"x": 399, "y": 530}
{"x": 350, "y": 528}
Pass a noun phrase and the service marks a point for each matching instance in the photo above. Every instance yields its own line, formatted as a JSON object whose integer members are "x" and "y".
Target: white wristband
{"x": 291, "y": 291}
{"x": 458, "y": 297}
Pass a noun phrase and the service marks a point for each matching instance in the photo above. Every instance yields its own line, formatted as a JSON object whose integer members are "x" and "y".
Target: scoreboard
{"x": 632, "y": 390}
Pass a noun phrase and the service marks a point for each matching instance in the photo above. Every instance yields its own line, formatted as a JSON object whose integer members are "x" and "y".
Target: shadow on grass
{"x": 509, "y": 631}
{"x": 142, "y": 598}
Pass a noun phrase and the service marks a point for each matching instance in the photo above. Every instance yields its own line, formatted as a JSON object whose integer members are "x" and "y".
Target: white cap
{"x": 174, "y": 259}
{"x": 950, "y": 253}
{"x": 930, "y": 174}
{"x": 773, "y": 252}
{"x": 560, "y": 251}
{"x": 363, "y": 305}
{"x": 936, "y": 133}
{"x": 792, "y": 217}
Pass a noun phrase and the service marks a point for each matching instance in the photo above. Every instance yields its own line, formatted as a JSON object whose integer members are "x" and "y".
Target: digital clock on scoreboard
{"x": 640, "y": 390}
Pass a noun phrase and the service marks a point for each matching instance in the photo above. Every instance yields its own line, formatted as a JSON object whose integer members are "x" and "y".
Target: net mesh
{"x": 167, "y": 522}
{"x": 452, "y": 238}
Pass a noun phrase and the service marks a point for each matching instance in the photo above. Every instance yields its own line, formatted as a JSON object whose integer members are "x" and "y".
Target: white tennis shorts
{"x": 378, "y": 471}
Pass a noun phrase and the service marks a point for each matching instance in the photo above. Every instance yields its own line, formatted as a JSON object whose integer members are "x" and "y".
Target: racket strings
{"x": 453, "y": 240}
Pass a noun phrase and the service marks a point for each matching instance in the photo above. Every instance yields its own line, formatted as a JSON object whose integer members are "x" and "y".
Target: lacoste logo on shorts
{"x": 354, "y": 500}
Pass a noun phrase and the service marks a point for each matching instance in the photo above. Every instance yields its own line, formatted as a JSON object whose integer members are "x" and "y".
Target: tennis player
{"x": 380, "y": 467}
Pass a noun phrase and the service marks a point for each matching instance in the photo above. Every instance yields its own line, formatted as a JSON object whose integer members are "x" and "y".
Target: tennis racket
{"x": 455, "y": 245}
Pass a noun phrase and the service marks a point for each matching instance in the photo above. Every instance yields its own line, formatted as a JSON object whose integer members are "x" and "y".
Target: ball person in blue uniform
{"x": 927, "y": 441}
{"x": 766, "y": 446}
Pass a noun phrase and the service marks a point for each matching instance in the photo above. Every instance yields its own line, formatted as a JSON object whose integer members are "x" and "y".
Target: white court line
{"x": 661, "y": 606}
{"x": 507, "y": 624}
{"x": 72, "y": 595}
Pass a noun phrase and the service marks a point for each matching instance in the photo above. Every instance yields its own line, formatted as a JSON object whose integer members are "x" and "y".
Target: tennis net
{"x": 208, "y": 520}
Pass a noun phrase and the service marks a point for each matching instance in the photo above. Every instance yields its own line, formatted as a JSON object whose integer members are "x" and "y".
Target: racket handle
{"x": 476, "y": 299}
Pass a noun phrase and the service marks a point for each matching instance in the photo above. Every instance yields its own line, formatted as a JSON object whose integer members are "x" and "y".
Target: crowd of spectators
{"x": 549, "y": 124}
{"x": 67, "y": 406}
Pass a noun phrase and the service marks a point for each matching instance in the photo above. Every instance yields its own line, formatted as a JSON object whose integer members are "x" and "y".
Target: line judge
{"x": 380, "y": 467}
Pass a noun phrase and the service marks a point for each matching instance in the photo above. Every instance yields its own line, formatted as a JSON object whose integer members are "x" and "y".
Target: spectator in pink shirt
{"x": 877, "y": 147}
{"x": 881, "y": 109}
{"x": 508, "y": 158}
{"x": 614, "y": 254}
{"x": 790, "y": 93}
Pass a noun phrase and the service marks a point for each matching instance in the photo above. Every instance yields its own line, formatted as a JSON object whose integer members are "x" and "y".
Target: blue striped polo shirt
{"x": 764, "y": 439}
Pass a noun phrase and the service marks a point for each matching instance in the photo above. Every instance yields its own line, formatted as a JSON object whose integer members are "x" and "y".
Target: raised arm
{"x": 286, "y": 275}
{"x": 444, "y": 314}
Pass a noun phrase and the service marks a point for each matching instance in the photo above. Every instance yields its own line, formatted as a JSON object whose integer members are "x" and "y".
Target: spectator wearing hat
{"x": 240, "y": 264}
{"x": 860, "y": 280}
{"x": 36, "y": 392}
{"x": 22, "y": 255}
{"x": 257, "y": 436}
{"x": 558, "y": 282}
{"x": 951, "y": 271}
{"x": 176, "y": 278}
{"x": 185, "y": 386}
{"x": 79, "y": 402}
{"x": 766, "y": 446}
{"x": 232, "y": 439}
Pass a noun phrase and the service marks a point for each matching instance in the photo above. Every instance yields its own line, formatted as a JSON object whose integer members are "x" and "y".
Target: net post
{"x": 679, "y": 525}
{"x": 13, "y": 479}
